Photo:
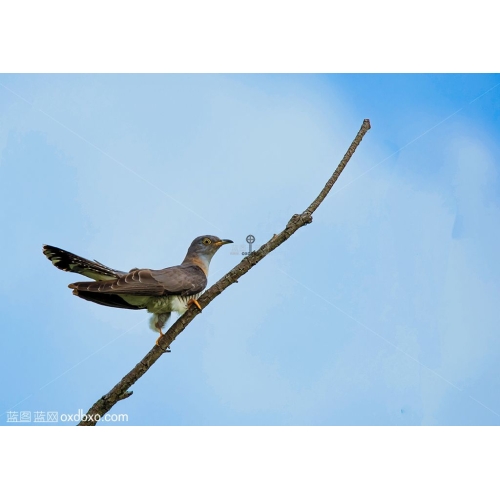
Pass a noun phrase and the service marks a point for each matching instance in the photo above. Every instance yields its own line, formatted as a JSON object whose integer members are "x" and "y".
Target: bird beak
{"x": 223, "y": 242}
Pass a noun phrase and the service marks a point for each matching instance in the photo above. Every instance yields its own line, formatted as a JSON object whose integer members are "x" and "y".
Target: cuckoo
{"x": 161, "y": 292}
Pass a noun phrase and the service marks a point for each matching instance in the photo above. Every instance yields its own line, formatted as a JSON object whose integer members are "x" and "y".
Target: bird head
{"x": 202, "y": 249}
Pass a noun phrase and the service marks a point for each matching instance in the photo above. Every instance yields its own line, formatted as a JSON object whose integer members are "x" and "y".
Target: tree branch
{"x": 120, "y": 391}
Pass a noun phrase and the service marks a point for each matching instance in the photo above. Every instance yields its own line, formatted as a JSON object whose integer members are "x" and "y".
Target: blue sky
{"x": 384, "y": 311}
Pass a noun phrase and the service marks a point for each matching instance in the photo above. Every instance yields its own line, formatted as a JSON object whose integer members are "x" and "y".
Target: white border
{"x": 258, "y": 36}
{"x": 251, "y": 462}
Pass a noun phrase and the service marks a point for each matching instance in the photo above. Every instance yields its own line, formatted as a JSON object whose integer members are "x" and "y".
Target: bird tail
{"x": 70, "y": 262}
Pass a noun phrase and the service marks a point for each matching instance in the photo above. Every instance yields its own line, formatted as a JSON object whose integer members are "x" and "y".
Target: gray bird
{"x": 160, "y": 292}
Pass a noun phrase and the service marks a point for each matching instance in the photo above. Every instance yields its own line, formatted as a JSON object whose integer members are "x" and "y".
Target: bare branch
{"x": 120, "y": 391}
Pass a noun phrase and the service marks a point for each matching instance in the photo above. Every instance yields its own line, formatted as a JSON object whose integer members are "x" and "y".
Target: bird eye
{"x": 207, "y": 241}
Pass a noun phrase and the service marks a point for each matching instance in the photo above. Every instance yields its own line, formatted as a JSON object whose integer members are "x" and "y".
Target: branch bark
{"x": 120, "y": 391}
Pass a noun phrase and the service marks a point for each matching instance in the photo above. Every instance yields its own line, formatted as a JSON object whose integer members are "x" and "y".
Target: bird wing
{"x": 67, "y": 261}
{"x": 108, "y": 299}
{"x": 177, "y": 280}
{"x": 181, "y": 280}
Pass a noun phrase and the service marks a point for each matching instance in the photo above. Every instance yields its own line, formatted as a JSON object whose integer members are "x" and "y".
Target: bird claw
{"x": 158, "y": 340}
{"x": 196, "y": 303}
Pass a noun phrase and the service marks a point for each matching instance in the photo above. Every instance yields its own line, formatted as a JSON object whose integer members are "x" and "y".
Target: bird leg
{"x": 195, "y": 302}
{"x": 158, "y": 339}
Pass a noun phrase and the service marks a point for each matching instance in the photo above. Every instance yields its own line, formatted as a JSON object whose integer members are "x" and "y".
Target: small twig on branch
{"x": 120, "y": 391}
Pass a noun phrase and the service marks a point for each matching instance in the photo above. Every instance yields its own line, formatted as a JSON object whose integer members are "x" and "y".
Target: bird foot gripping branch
{"x": 191, "y": 302}
{"x": 158, "y": 342}
{"x": 195, "y": 303}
